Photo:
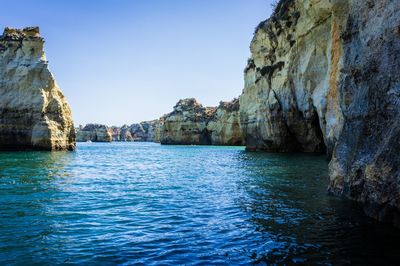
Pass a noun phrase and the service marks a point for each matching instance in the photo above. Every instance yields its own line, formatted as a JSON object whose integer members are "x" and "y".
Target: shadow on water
{"x": 29, "y": 182}
{"x": 285, "y": 196}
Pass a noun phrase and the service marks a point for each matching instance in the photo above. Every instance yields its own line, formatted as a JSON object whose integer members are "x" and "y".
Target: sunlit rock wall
{"x": 323, "y": 77}
{"x": 34, "y": 114}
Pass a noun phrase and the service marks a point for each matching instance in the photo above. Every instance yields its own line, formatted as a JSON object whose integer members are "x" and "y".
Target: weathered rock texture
{"x": 366, "y": 160}
{"x": 94, "y": 133}
{"x": 144, "y": 131}
{"x": 324, "y": 76}
{"x": 34, "y": 114}
{"x": 125, "y": 133}
{"x": 284, "y": 106}
{"x": 187, "y": 124}
{"x": 191, "y": 123}
{"x": 116, "y": 133}
{"x": 224, "y": 127}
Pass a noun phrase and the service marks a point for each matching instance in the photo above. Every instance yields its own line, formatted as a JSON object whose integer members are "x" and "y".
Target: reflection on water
{"x": 126, "y": 203}
{"x": 286, "y": 199}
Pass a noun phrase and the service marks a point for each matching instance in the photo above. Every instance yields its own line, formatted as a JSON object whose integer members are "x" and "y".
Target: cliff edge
{"x": 192, "y": 124}
{"x": 324, "y": 77}
{"x": 34, "y": 114}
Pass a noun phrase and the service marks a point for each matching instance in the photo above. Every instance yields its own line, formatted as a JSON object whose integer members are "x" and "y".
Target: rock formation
{"x": 365, "y": 162}
{"x": 224, "y": 127}
{"x": 144, "y": 131}
{"x": 187, "y": 124}
{"x": 125, "y": 133}
{"x": 94, "y": 133}
{"x": 191, "y": 123}
{"x": 34, "y": 114}
{"x": 323, "y": 76}
{"x": 284, "y": 105}
{"x": 158, "y": 130}
{"x": 116, "y": 133}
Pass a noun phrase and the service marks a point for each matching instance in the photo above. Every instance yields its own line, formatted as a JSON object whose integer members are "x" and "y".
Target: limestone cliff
{"x": 115, "y": 132}
{"x": 187, "y": 124}
{"x": 366, "y": 160}
{"x": 191, "y": 123}
{"x": 224, "y": 127}
{"x": 284, "y": 106}
{"x": 34, "y": 114}
{"x": 323, "y": 76}
{"x": 159, "y": 128}
{"x": 94, "y": 133}
{"x": 144, "y": 131}
{"x": 125, "y": 134}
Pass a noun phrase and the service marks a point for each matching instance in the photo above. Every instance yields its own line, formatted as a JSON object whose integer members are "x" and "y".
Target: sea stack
{"x": 324, "y": 77}
{"x": 94, "y": 133}
{"x": 192, "y": 124}
{"x": 34, "y": 114}
{"x": 187, "y": 124}
{"x": 224, "y": 127}
{"x": 144, "y": 131}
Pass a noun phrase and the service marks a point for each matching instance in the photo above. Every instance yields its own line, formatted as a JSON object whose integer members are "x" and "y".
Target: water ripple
{"x": 146, "y": 204}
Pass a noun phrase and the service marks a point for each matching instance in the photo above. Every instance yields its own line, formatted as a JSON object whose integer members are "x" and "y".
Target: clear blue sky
{"x": 126, "y": 61}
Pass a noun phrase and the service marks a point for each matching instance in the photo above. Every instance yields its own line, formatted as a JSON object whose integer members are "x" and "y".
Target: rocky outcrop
{"x": 158, "y": 130}
{"x": 125, "y": 133}
{"x": 365, "y": 162}
{"x": 144, "y": 131}
{"x": 34, "y": 114}
{"x": 187, "y": 124}
{"x": 116, "y": 133}
{"x": 192, "y": 124}
{"x": 94, "y": 133}
{"x": 284, "y": 105}
{"x": 224, "y": 127}
{"x": 323, "y": 77}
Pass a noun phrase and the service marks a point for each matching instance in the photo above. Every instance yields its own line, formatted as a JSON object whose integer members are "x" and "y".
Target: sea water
{"x": 148, "y": 204}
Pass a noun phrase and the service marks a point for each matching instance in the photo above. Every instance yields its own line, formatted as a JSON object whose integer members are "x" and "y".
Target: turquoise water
{"x": 146, "y": 204}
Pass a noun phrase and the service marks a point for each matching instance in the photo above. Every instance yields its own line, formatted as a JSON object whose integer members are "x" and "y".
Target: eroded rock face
{"x": 323, "y": 76}
{"x": 285, "y": 105}
{"x": 34, "y": 114}
{"x": 187, "y": 124}
{"x": 125, "y": 133}
{"x": 224, "y": 127}
{"x": 116, "y": 133}
{"x": 94, "y": 133}
{"x": 366, "y": 160}
{"x": 192, "y": 124}
{"x": 144, "y": 131}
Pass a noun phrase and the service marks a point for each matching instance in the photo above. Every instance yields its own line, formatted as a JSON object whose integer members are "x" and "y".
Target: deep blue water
{"x": 142, "y": 203}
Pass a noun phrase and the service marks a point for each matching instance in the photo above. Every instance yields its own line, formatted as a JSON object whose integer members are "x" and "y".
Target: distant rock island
{"x": 143, "y": 131}
{"x": 34, "y": 114}
{"x": 188, "y": 124}
{"x": 191, "y": 123}
{"x": 95, "y": 133}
